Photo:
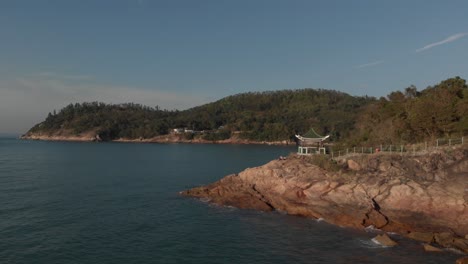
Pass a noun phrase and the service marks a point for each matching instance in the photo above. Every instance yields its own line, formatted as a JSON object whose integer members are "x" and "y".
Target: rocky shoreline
{"x": 90, "y": 137}
{"x": 421, "y": 197}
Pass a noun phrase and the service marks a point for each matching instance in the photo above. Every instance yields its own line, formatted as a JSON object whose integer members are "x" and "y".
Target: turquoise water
{"x": 63, "y": 202}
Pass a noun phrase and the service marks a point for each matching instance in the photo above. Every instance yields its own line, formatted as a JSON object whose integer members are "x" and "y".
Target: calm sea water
{"x": 63, "y": 202}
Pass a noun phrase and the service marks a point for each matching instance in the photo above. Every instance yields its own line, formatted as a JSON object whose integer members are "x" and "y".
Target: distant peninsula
{"x": 263, "y": 117}
{"x": 274, "y": 117}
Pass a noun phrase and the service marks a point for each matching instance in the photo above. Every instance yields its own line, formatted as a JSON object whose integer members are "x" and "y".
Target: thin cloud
{"x": 54, "y": 75}
{"x": 445, "y": 41}
{"x": 369, "y": 64}
{"x": 30, "y": 98}
{"x": 68, "y": 90}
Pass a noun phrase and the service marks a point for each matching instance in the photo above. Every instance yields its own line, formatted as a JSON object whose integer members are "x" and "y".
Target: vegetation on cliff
{"x": 401, "y": 117}
{"x": 413, "y": 116}
{"x": 107, "y": 120}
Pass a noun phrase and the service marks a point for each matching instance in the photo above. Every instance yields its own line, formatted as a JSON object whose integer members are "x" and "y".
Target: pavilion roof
{"x": 312, "y": 134}
{"x": 311, "y": 137}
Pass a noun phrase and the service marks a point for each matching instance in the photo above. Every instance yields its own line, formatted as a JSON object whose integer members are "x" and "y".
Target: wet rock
{"x": 461, "y": 244}
{"x": 420, "y": 236}
{"x": 444, "y": 239}
{"x": 384, "y": 240}
{"x": 463, "y": 260}
{"x": 376, "y": 219}
{"x": 430, "y": 248}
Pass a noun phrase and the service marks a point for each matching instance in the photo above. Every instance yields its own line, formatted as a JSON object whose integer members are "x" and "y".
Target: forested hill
{"x": 278, "y": 115}
{"x": 259, "y": 116}
{"x": 411, "y": 116}
{"x": 406, "y": 116}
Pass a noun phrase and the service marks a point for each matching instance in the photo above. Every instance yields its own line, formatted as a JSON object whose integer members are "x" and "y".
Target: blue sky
{"x": 179, "y": 54}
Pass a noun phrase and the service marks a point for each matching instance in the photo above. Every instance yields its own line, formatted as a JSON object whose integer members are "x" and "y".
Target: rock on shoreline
{"x": 92, "y": 137}
{"x": 422, "y": 197}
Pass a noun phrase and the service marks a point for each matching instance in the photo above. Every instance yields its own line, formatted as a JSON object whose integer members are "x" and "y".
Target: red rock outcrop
{"x": 425, "y": 194}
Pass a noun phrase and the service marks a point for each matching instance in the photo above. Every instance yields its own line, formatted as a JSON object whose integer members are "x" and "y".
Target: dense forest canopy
{"x": 278, "y": 115}
{"x": 401, "y": 117}
{"x": 411, "y": 116}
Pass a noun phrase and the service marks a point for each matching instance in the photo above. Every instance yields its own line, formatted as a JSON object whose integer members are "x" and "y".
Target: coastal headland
{"x": 423, "y": 197}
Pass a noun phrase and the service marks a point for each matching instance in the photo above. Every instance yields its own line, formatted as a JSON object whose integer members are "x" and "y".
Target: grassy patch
{"x": 324, "y": 162}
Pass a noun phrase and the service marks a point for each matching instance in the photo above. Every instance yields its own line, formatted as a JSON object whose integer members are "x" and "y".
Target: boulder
{"x": 384, "y": 240}
{"x": 353, "y": 165}
{"x": 376, "y": 219}
{"x": 420, "y": 236}
{"x": 461, "y": 244}
{"x": 430, "y": 248}
{"x": 444, "y": 239}
{"x": 97, "y": 138}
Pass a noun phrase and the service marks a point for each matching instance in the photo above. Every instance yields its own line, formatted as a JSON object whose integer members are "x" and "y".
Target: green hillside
{"x": 278, "y": 115}
{"x": 265, "y": 116}
{"x": 402, "y": 117}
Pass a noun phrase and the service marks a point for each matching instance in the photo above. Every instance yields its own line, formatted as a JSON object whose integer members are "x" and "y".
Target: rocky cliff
{"x": 62, "y": 135}
{"x": 424, "y": 197}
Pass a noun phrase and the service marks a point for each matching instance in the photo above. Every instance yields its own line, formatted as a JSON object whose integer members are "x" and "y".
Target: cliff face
{"x": 423, "y": 197}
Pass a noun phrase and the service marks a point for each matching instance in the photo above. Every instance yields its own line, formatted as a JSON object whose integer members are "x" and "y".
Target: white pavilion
{"x": 311, "y": 143}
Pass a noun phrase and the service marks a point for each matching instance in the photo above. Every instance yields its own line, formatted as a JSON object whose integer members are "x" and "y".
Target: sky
{"x": 179, "y": 54}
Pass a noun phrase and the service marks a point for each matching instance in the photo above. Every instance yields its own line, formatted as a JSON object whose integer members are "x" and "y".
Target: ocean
{"x": 70, "y": 202}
